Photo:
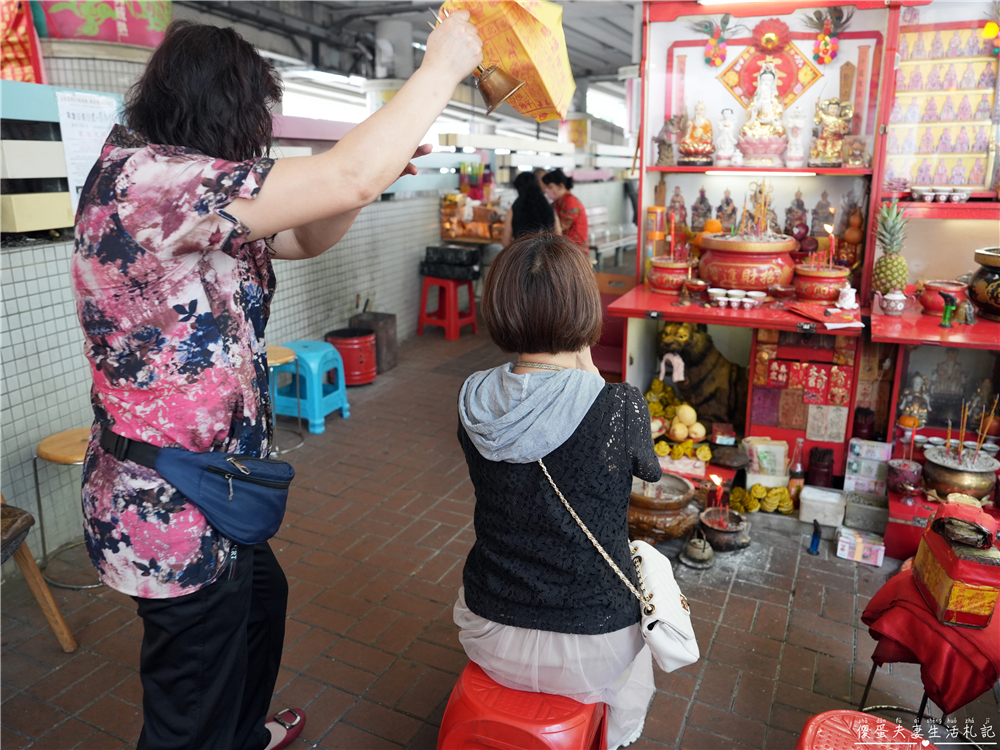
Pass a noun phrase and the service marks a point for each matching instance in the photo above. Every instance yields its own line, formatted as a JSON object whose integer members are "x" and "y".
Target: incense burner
{"x": 944, "y": 475}
{"x": 820, "y": 284}
{"x": 668, "y": 276}
{"x": 747, "y": 263}
{"x": 662, "y": 510}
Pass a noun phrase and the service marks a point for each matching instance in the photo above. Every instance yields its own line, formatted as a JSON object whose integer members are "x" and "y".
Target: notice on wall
{"x": 85, "y": 120}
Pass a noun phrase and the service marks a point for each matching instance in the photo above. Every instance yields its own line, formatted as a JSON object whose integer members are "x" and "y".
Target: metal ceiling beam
{"x": 604, "y": 30}
{"x": 269, "y": 19}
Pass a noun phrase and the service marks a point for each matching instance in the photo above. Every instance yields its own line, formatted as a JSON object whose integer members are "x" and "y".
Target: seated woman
{"x": 531, "y": 212}
{"x": 540, "y": 610}
{"x": 572, "y": 215}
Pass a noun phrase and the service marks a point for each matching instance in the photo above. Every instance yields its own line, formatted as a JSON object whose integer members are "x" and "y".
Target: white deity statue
{"x": 725, "y": 144}
{"x": 763, "y": 140}
{"x": 795, "y": 156}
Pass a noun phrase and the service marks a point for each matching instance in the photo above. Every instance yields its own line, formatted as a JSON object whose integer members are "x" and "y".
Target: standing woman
{"x": 178, "y": 223}
{"x": 572, "y": 215}
{"x": 531, "y": 212}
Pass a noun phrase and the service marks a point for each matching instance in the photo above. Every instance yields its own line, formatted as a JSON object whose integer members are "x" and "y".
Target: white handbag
{"x": 665, "y": 614}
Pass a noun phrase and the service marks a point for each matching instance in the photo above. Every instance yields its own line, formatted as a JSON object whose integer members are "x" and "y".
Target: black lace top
{"x": 531, "y": 565}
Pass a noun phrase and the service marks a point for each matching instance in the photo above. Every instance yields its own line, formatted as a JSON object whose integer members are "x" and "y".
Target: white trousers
{"x": 613, "y": 668}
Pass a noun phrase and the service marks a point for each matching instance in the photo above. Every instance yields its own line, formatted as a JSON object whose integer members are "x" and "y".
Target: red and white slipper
{"x": 293, "y": 720}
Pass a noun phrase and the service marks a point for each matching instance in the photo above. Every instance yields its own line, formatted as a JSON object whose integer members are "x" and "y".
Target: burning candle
{"x": 718, "y": 488}
{"x": 829, "y": 249}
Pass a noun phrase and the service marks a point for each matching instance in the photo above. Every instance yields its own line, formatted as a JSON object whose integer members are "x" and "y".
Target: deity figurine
{"x": 856, "y": 153}
{"x": 900, "y": 80}
{"x": 795, "y": 156}
{"x": 677, "y": 209}
{"x": 915, "y": 401}
{"x": 982, "y": 141}
{"x": 821, "y": 215}
{"x": 954, "y": 46}
{"x": 912, "y": 112}
{"x": 965, "y": 109}
{"x": 937, "y": 46}
{"x": 796, "y": 213}
{"x": 927, "y": 142}
{"x": 957, "y": 174}
{"x": 911, "y": 16}
{"x": 930, "y": 111}
{"x": 696, "y": 147}
{"x": 762, "y": 138}
{"x": 949, "y": 376}
{"x": 981, "y": 401}
{"x": 727, "y": 212}
{"x": 916, "y": 82}
{"x": 701, "y": 211}
{"x": 982, "y": 109}
{"x": 962, "y": 143}
{"x": 972, "y": 46}
{"x": 904, "y": 49}
{"x": 919, "y": 49}
{"x": 760, "y": 194}
{"x": 987, "y": 78}
{"x": 944, "y": 145}
{"x": 892, "y": 146}
{"x": 977, "y": 175}
{"x": 896, "y": 115}
{"x": 948, "y": 110}
{"x": 941, "y": 174}
{"x": 968, "y": 78}
{"x": 923, "y": 173}
{"x": 909, "y": 142}
{"x": 934, "y": 82}
{"x": 725, "y": 143}
{"x": 833, "y": 118}
{"x": 950, "y": 78}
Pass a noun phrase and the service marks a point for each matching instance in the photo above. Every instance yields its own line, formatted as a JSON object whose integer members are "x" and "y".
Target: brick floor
{"x": 378, "y": 524}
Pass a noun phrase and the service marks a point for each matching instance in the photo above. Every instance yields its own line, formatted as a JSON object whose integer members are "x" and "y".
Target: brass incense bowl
{"x": 662, "y": 510}
{"x": 943, "y": 477}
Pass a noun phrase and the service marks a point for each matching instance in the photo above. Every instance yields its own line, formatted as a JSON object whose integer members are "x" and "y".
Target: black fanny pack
{"x": 242, "y": 497}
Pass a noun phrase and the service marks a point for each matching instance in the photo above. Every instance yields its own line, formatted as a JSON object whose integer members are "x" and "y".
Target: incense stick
{"x": 985, "y": 424}
{"x": 961, "y": 431}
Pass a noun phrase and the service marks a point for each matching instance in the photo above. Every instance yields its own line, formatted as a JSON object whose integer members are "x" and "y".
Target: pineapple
{"x": 891, "y": 270}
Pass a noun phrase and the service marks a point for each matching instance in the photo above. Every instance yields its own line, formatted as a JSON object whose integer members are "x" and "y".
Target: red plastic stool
{"x": 845, "y": 730}
{"x": 482, "y": 715}
{"x": 447, "y": 314}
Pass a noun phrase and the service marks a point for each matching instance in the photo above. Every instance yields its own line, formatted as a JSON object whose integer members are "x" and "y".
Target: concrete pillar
{"x": 393, "y": 49}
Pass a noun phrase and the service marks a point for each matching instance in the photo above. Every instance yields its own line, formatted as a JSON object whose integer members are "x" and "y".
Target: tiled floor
{"x": 379, "y": 522}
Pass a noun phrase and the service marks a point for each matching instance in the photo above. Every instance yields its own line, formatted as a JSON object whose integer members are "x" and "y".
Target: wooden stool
{"x": 66, "y": 448}
{"x": 447, "y": 314}
{"x": 276, "y": 356}
{"x": 16, "y": 524}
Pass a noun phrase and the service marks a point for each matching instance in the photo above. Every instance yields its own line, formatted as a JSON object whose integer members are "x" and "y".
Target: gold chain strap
{"x": 643, "y": 597}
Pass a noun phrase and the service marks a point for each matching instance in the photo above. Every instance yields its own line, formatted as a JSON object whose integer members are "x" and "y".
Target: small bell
{"x": 496, "y": 85}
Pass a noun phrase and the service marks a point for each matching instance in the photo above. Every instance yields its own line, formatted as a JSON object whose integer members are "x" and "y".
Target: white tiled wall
{"x": 46, "y": 380}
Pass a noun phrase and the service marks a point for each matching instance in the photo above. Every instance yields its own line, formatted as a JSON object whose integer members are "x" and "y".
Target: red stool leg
{"x": 452, "y": 332}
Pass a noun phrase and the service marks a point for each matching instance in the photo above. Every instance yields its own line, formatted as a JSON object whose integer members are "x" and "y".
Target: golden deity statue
{"x": 763, "y": 140}
{"x": 696, "y": 146}
{"x": 834, "y": 120}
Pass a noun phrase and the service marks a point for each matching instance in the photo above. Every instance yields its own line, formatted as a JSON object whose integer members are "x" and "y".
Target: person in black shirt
{"x": 531, "y": 212}
{"x": 539, "y": 609}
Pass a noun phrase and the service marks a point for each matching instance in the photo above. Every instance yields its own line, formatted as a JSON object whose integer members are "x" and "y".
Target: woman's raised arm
{"x": 301, "y": 191}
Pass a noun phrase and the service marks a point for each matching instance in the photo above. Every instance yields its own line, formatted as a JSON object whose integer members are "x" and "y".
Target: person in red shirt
{"x": 572, "y": 215}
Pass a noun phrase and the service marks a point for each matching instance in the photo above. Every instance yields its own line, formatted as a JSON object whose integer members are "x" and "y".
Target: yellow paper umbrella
{"x": 525, "y": 38}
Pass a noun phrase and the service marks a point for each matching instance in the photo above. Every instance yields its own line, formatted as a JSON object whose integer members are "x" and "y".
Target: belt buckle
{"x": 120, "y": 448}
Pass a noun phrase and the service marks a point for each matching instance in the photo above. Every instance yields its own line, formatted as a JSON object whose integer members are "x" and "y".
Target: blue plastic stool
{"x": 316, "y": 398}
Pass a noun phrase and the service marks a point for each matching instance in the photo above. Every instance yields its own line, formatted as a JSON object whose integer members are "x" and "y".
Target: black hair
{"x": 540, "y": 296}
{"x": 532, "y": 212}
{"x": 558, "y": 177}
{"x": 206, "y": 88}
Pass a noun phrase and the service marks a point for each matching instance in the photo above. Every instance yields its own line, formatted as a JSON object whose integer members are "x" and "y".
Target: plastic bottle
{"x": 796, "y": 474}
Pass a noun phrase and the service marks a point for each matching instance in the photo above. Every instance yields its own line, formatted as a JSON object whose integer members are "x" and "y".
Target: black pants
{"x": 210, "y": 659}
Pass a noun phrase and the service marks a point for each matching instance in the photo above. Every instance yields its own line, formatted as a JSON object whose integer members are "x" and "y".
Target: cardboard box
{"x": 961, "y": 584}
{"x": 869, "y": 450}
{"x": 860, "y": 546}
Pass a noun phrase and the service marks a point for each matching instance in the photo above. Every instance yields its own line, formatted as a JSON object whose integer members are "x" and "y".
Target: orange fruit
{"x": 713, "y": 225}
{"x": 908, "y": 420}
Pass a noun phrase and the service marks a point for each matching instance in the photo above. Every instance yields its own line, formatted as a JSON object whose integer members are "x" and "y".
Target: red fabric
{"x": 573, "y": 220}
{"x": 957, "y": 664}
{"x": 20, "y": 57}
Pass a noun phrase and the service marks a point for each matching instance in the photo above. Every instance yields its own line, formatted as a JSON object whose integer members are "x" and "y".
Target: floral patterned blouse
{"x": 573, "y": 220}
{"x": 173, "y": 303}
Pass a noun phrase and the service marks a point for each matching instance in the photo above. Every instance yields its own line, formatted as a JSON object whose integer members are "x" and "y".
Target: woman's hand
{"x": 422, "y": 150}
{"x": 454, "y": 48}
{"x": 585, "y": 362}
